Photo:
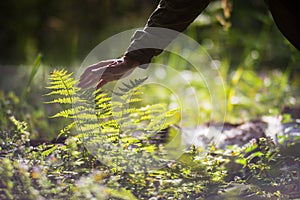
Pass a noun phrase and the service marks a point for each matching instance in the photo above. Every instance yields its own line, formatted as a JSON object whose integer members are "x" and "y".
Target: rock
{"x": 222, "y": 135}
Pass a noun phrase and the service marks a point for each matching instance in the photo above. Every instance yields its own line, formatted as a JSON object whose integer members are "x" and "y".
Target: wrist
{"x": 131, "y": 61}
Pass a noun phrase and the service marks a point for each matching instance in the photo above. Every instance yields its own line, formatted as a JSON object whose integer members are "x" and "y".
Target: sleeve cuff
{"x": 148, "y": 43}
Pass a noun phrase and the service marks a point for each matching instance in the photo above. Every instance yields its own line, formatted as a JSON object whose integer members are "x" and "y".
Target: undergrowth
{"x": 115, "y": 149}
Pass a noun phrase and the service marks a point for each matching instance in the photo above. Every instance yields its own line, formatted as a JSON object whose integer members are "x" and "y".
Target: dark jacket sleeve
{"x": 174, "y": 15}
{"x": 287, "y": 18}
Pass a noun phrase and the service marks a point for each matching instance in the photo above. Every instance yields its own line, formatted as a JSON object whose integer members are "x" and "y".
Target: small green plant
{"x": 111, "y": 122}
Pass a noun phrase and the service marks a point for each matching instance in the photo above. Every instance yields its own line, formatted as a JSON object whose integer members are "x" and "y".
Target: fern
{"x": 113, "y": 128}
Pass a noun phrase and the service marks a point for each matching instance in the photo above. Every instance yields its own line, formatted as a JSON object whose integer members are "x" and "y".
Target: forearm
{"x": 176, "y": 15}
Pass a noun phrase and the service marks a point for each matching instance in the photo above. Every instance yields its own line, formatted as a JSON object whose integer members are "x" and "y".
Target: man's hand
{"x": 106, "y": 71}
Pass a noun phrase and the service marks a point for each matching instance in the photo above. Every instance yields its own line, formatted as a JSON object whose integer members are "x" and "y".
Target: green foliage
{"x": 266, "y": 172}
{"x": 26, "y": 107}
{"x": 72, "y": 170}
{"x": 249, "y": 93}
{"x": 75, "y": 169}
{"x": 47, "y": 172}
{"x": 105, "y": 121}
{"x": 69, "y": 171}
{"x": 34, "y": 70}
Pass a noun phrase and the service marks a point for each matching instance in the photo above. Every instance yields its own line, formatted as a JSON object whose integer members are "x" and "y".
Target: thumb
{"x": 101, "y": 83}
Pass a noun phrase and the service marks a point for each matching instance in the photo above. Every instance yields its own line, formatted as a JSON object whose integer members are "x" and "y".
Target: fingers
{"x": 88, "y": 70}
{"x": 104, "y": 72}
{"x": 87, "y": 83}
{"x": 91, "y": 75}
{"x": 101, "y": 83}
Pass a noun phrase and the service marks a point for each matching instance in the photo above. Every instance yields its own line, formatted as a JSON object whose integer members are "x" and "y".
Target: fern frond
{"x": 62, "y": 84}
{"x": 68, "y": 113}
{"x": 67, "y": 83}
{"x": 49, "y": 151}
{"x": 141, "y": 80}
{"x": 62, "y": 92}
{"x": 109, "y": 125}
{"x": 124, "y": 89}
{"x": 56, "y": 74}
{"x": 66, "y": 129}
{"x": 133, "y": 100}
{"x": 66, "y": 100}
{"x": 128, "y": 87}
{"x": 99, "y": 96}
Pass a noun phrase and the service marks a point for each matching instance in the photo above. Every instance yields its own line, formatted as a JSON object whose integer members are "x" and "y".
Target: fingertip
{"x": 81, "y": 85}
{"x": 101, "y": 83}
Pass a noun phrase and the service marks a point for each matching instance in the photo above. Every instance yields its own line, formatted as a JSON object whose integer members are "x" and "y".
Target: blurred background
{"x": 65, "y": 31}
{"x": 37, "y": 36}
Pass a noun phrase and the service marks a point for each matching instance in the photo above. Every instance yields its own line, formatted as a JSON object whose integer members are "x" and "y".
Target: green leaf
{"x": 49, "y": 151}
{"x": 36, "y": 66}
